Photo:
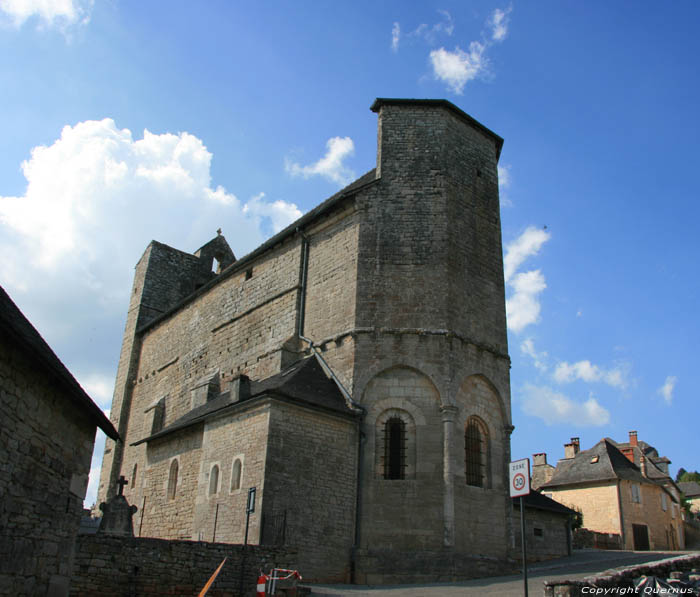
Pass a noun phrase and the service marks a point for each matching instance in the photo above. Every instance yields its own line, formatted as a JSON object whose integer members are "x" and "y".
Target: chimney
{"x": 539, "y": 459}
{"x": 570, "y": 450}
{"x": 643, "y": 464}
{"x": 629, "y": 454}
{"x": 577, "y": 444}
{"x": 633, "y": 439}
{"x": 240, "y": 388}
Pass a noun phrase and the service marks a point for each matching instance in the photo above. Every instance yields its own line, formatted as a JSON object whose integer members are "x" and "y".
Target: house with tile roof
{"x": 639, "y": 503}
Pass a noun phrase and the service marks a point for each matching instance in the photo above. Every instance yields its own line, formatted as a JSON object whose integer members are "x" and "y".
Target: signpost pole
{"x": 522, "y": 536}
{"x": 520, "y": 487}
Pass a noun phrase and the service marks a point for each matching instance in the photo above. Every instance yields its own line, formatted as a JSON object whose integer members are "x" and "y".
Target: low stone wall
{"x": 587, "y": 539}
{"x": 619, "y": 579}
{"x": 391, "y": 566}
{"x": 135, "y": 566}
{"x": 692, "y": 534}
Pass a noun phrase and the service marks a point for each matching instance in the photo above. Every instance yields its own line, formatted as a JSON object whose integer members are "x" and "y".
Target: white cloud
{"x": 504, "y": 182}
{"x": 331, "y": 165}
{"x": 280, "y": 213}
{"x": 528, "y": 244}
{"x": 50, "y": 13}
{"x": 523, "y": 305}
{"x": 94, "y": 200}
{"x": 588, "y": 372}
{"x": 499, "y": 23}
{"x": 457, "y": 68}
{"x": 430, "y": 33}
{"x": 527, "y": 347}
{"x": 98, "y": 387}
{"x": 395, "y": 37}
{"x": 553, "y": 408}
{"x": 666, "y": 390}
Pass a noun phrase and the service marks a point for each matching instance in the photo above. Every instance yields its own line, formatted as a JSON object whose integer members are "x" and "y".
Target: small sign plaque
{"x": 251, "y": 500}
{"x": 520, "y": 477}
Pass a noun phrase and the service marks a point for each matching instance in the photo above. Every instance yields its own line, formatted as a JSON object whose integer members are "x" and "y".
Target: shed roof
{"x": 690, "y": 489}
{"x": 23, "y": 335}
{"x": 304, "y": 382}
{"x": 539, "y": 501}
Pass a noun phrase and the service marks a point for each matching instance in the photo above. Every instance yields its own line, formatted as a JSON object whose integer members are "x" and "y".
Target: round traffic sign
{"x": 518, "y": 481}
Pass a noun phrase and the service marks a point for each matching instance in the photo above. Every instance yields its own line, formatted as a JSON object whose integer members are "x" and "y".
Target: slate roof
{"x": 539, "y": 501}
{"x": 305, "y": 382}
{"x": 690, "y": 489}
{"x": 16, "y": 328}
{"x": 602, "y": 462}
{"x": 651, "y": 456}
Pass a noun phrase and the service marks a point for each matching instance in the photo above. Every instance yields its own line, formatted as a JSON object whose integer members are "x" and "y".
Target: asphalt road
{"x": 583, "y": 563}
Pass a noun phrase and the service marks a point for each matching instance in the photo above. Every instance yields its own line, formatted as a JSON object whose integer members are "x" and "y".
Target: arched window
{"x": 133, "y": 476}
{"x": 476, "y": 447}
{"x": 394, "y": 449}
{"x": 236, "y": 475}
{"x": 214, "y": 480}
{"x": 172, "y": 479}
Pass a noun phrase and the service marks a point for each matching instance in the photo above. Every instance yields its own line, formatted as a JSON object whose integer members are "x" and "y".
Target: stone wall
{"x": 46, "y": 444}
{"x": 129, "y": 567}
{"x": 620, "y": 581}
{"x": 310, "y": 483}
{"x": 547, "y": 534}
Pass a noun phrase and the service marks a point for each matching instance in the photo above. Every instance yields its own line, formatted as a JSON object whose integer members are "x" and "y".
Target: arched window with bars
{"x": 394, "y": 448}
{"x": 172, "y": 479}
{"x": 476, "y": 448}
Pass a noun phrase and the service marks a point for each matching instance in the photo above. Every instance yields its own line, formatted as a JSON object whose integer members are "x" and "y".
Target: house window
{"x": 236, "y": 474}
{"x": 172, "y": 479}
{"x": 476, "y": 448}
{"x": 394, "y": 449}
{"x": 636, "y": 496}
{"x": 133, "y": 476}
{"x": 214, "y": 480}
{"x": 538, "y": 532}
{"x": 664, "y": 504}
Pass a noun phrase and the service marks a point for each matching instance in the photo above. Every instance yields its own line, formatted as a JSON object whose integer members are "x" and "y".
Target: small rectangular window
{"x": 249, "y": 273}
{"x": 539, "y": 532}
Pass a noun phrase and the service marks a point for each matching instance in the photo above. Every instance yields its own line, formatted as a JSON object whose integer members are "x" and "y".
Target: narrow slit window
{"x": 172, "y": 479}
{"x": 236, "y": 475}
{"x": 214, "y": 480}
{"x": 394, "y": 449}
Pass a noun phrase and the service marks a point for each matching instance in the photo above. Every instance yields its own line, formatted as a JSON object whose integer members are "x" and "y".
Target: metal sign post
{"x": 249, "y": 509}
{"x": 519, "y": 487}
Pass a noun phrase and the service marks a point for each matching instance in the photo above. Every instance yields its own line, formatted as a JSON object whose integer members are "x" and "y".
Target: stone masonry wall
{"x": 242, "y": 437}
{"x": 598, "y": 503}
{"x": 46, "y": 445}
{"x": 311, "y": 477}
{"x": 664, "y": 526}
{"x": 546, "y": 534}
{"x": 129, "y": 567}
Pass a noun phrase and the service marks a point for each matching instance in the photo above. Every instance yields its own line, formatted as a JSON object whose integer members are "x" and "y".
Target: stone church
{"x": 354, "y": 369}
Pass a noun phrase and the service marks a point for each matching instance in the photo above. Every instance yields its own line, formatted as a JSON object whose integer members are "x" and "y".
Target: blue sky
{"x": 125, "y": 122}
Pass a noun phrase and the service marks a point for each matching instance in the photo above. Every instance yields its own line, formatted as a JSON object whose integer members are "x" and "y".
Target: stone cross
{"x": 122, "y": 481}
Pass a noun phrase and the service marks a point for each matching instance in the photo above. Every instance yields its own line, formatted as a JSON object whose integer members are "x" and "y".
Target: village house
{"x": 622, "y": 489}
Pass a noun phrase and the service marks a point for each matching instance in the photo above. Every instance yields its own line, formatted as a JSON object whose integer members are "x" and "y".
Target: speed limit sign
{"x": 520, "y": 477}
